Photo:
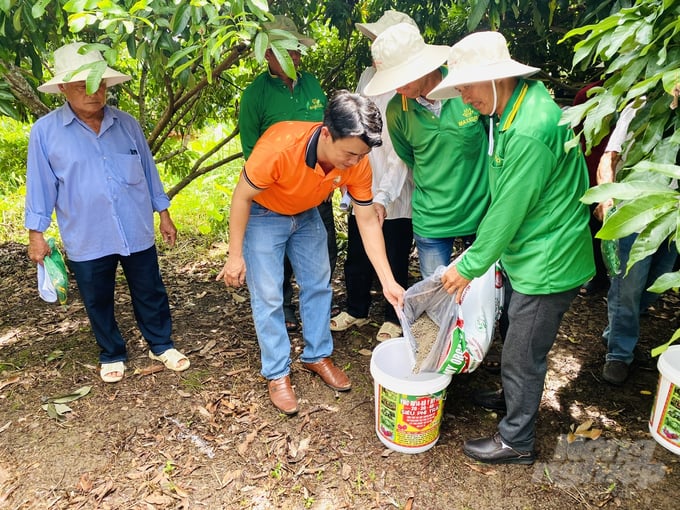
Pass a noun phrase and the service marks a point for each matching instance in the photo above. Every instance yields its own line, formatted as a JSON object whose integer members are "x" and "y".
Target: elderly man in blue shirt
{"x": 91, "y": 163}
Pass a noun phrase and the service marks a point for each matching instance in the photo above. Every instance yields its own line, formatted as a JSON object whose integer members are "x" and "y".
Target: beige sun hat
{"x": 284, "y": 23}
{"x": 68, "y": 59}
{"x": 388, "y": 19}
{"x": 401, "y": 56}
{"x": 478, "y": 57}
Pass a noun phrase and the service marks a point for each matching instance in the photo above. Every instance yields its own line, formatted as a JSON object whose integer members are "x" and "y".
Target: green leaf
{"x": 77, "y": 394}
{"x": 281, "y": 53}
{"x": 671, "y": 80}
{"x": 56, "y": 411}
{"x": 477, "y": 13}
{"x": 94, "y": 77}
{"x": 654, "y": 235}
{"x": 179, "y": 55}
{"x": 661, "y": 168}
{"x": 634, "y": 216}
{"x": 662, "y": 348}
{"x": 258, "y": 7}
{"x": 626, "y": 191}
{"x": 39, "y": 8}
{"x": 181, "y": 18}
{"x": 260, "y": 46}
{"x": 665, "y": 282}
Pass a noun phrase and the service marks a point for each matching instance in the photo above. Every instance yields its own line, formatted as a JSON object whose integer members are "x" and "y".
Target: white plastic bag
{"x": 465, "y": 330}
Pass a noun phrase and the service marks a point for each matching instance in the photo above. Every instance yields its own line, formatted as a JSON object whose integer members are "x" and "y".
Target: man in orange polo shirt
{"x": 292, "y": 169}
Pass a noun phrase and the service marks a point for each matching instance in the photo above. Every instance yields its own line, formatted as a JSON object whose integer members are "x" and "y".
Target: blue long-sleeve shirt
{"x": 104, "y": 186}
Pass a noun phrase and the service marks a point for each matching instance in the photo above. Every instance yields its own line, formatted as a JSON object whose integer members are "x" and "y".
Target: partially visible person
{"x": 628, "y": 296}
{"x": 443, "y": 142}
{"x": 274, "y": 97}
{"x": 536, "y": 225}
{"x": 293, "y": 167}
{"x": 600, "y": 281}
{"x": 392, "y": 190}
{"x": 91, "y": 163}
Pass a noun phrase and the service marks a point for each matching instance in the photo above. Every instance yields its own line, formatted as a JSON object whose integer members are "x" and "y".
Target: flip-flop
{"x": 171, "y": 359}
{"x": 109, "y": 368}
{"x": 388, "y": 330}
{"x": 344, "y": 321}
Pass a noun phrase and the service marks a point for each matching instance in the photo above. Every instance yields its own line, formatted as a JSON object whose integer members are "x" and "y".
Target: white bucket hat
{"x": 284, "y": 23}
{"x": 478, "y": 57}
{"x": 67, "y": 59}
{"x": 388, "y": 19}
{"x": 401, "y": 56}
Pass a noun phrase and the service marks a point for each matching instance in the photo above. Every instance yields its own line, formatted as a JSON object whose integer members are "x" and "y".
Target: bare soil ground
{"x": 209, "y": 437}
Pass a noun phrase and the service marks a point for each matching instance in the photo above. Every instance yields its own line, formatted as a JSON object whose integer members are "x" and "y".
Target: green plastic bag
{"x": 55, "y": 279}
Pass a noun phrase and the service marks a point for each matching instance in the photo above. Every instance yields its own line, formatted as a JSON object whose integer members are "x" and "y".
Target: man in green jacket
{"x": 535, "y": 224}
{"x": 442, "y": 142}
{"x": 274, "y": 97}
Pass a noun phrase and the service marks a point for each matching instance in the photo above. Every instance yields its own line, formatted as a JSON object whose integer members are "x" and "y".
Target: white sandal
{"x": 344, "y": 321}
{"x": 388, "y": 330}
{"x": 110, "y": 368}
{"x": 171, "y": 359}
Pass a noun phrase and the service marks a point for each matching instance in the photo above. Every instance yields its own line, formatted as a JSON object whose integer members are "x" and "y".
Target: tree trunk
{"x": 23, "y": 91}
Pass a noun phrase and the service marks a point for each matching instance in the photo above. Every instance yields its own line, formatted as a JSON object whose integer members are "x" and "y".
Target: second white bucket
{"x": 664, "y": 423}
{"x": 408, "y": 407}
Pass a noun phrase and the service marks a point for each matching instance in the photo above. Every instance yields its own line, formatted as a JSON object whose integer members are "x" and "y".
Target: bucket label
{"x": 408, "y": 420}
{"x": 669, "y": 423}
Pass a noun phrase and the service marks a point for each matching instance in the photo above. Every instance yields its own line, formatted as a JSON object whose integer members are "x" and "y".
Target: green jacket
{"x": 268, "y": 100}
{"x": 535, "y": 224}
{"x": 448, "y": 157}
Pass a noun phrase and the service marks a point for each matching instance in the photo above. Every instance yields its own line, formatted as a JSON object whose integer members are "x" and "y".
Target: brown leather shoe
{"x": 282, "y": 395}
{"x": 330, "y": 374}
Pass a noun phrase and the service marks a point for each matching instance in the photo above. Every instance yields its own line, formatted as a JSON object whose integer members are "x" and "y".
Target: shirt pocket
{"x": 128, "y": 168}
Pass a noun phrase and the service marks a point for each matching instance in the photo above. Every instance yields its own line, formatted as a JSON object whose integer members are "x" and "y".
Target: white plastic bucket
{"x": 664, "y": 423}
{"x": 408, "y": 407}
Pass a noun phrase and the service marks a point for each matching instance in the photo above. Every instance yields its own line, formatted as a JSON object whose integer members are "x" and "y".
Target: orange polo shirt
{"x": 283, "y": 165}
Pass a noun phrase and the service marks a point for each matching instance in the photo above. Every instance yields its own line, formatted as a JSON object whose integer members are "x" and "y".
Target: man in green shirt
{"x": 535, "y": 224}
{"x": 442, "y": 142}
{"x": 274, "y": 97}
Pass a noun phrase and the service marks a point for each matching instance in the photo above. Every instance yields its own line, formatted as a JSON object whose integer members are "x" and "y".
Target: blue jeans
{"x": 628, "y": 297}
{"x": 96, "y": 281}
{"x": 302, "y": 238}
{"x": 435, "y": 252}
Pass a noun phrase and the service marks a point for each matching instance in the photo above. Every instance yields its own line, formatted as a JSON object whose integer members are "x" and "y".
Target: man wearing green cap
{"x": 274, "y": 97}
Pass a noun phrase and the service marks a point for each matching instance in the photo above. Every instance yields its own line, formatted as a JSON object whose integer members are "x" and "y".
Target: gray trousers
{"x": 533, "y": 322}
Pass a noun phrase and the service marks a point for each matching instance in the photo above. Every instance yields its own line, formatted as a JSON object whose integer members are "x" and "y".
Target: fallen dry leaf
{"x": 365, "y": 352}
{"x": 148, "y": 370}
{"x": 297, "y": 452}
{"x": 346, "y": 471}
{"x": 482, "y": 470}
{"x": 85, "y": 483}
{"x": 9, "y": 380}
{"x": 584, "y": 426}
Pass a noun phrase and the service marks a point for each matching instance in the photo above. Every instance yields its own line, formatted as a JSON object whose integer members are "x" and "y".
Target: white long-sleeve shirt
{"x": 392, "y": 179}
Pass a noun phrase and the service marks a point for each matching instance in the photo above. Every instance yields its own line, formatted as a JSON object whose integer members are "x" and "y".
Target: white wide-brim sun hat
{"x": 401, "y": 56}
{"x": 387, "y": 20}
{"x": 68, "y": 59}
{"x": 479, "y": 57}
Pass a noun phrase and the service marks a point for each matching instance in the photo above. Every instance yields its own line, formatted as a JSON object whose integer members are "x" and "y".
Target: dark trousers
{"x": 326, "y": 212}
{"x": 359, "y": 272}
{"x": 533, "y": 322}
{"x": 96, "y": 281}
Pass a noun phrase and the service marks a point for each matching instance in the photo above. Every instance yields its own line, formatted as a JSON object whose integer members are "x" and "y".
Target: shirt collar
{"x": 511, "y": 109}
{"x": 310, "y": 151}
